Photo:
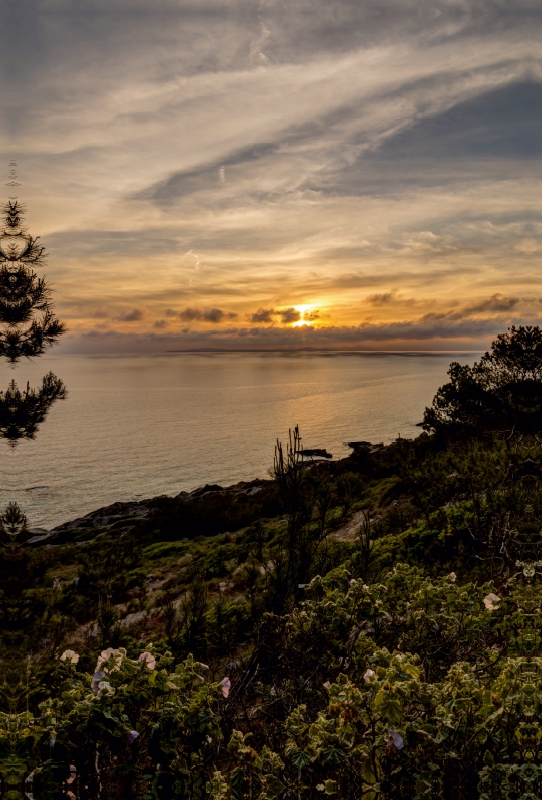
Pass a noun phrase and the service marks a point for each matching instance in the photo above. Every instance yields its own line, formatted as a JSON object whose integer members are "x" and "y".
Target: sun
{"x": 302, "y": 310}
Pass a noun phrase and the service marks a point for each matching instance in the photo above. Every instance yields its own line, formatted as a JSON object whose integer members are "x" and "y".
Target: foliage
{"x": 24, "y": 297}
{"x": 502, "y": 392}
{"x": 369, "y": 628}
{"x": 22, "y": 412}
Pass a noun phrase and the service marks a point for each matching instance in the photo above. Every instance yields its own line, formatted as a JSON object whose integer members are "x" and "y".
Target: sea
{"x": 133, "y": 427}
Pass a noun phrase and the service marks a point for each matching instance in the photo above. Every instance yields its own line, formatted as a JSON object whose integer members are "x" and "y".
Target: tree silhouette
{"x": 501, "y": 392}
{"x": 28, "y": 326}
{"x": 22, "y": 411}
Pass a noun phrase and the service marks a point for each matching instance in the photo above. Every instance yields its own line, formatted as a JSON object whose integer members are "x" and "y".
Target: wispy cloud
{"x": 206, "y": 163}
{"x": 495, "y": 303}
{"x": 381, "y": 298}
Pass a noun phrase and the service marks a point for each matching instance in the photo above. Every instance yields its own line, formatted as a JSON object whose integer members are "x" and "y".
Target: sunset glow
{"x": 191, "y": 199}
{"x": 303, "y": 310}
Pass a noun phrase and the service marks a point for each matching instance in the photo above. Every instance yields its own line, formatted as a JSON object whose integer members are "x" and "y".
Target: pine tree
{"x": 28, "y": 326}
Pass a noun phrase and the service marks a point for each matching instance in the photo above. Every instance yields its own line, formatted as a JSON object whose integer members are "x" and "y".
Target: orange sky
{"x": 232, "y": 175}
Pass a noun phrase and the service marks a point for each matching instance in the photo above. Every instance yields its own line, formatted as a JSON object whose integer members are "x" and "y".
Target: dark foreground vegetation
{"x": 368, "y": 628}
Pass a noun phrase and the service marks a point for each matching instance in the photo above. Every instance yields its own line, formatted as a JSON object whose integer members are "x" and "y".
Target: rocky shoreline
{"x": 121, "y": 517}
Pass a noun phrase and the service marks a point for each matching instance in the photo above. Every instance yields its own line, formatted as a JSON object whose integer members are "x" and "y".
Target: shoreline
{"x": 123, "y": 515}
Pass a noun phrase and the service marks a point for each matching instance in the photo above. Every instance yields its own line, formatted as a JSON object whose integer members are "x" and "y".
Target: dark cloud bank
{"x": 434, "y": 331}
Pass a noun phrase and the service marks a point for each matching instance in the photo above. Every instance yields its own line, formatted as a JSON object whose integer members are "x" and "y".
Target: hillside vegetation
{"x": 368, "y": 628}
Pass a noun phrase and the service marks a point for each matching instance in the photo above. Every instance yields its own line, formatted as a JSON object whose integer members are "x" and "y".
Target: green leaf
{"x": 391, "y": 709}
{"x": 301, "y": 759}
{"x": 367, "y": 771}
{"x": 274, "y": 787}
{"x": 333, "y": 756}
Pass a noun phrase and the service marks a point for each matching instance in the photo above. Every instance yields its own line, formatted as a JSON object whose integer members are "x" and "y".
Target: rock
{"x": 365, "y": 447}
{"x": 133, "y": 618}
{"x": 316, "y": 453}
{"x": 209, "y": 487}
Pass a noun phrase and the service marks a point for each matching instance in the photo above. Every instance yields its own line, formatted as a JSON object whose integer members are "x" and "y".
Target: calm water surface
{"x": 135, "y": 427}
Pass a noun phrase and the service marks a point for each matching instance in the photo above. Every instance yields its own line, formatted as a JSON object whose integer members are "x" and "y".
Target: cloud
{"x": 135, "y": 315}
{"x": 433, "y": 331}
{"x": 208, "y": 176}
{"x": 160, "y": 323}
{"x": 99, "y": 313}
{"x": 217, "y": 315}
{"x": 288, "y": 315}
{"x": 285, "y": 315}
{"x": 497, "y": 302}
{"x": 214, "y": 315}
{"x": 294, "y": 150}
{"x": 190, "y": 314}
{"x": 381, "y": 299}
{"x": 263, "y": 315}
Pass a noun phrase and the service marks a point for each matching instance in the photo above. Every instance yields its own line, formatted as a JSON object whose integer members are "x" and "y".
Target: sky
{"x": 279, "y": 174}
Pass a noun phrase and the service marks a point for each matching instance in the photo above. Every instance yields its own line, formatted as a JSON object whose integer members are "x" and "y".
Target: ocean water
{"x": 137, "y": 426}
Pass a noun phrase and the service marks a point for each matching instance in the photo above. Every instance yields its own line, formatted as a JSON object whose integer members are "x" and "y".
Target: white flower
{"x": 149, "y": 659}
{"x": 70, "y": 655}
{"x": 105, "y": 655}
{"x": 368, "y": 675}
{"x": 491, "y": 601}
{"x": 353, "y": 582}
{"x": 396, "y": 739}
{"x": 226, "y": 686}
{"x": 452, "y": 576}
